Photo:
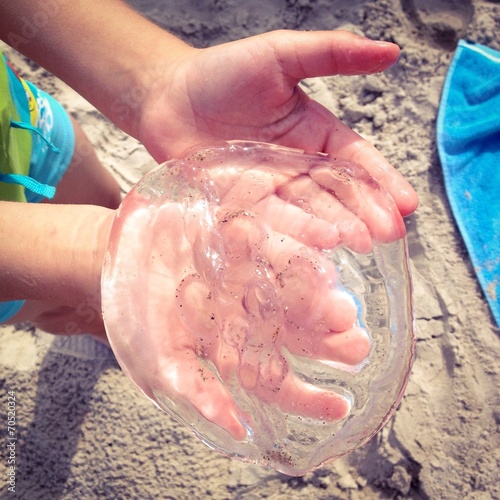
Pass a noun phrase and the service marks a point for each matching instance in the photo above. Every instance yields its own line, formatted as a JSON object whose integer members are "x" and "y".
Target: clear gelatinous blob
{"x": 261, "y": 296}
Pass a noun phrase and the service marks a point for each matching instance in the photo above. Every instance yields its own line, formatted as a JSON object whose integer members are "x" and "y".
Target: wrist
{"x": 143, "y": 78}
{"x": 91, "y": 242}
{"x": 53, "y": 253}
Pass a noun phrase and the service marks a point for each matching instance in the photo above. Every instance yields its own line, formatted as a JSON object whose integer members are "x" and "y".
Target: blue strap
{"x": 24, "y": 180}
{"x": 29, "y": 183}
{"x": 28, "y": 126}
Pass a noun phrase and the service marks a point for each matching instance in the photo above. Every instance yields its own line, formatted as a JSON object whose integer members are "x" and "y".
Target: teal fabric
{"x": 468, "y": 139}
{"x": 48, "y": 148}
{"x": 9, "y": 309}
{"x": 53, "y": 145}
{"x": 36, "y": 140}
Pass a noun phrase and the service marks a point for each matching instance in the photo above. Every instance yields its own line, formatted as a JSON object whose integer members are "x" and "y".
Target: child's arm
{"x": 101, "y": 49}
{"x": 51, "y": 252}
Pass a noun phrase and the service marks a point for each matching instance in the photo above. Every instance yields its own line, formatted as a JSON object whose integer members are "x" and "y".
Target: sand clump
{"x": 84, "y": 432}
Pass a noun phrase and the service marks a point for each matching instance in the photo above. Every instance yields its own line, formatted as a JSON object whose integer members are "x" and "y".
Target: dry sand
{"x": 83, "y": 430}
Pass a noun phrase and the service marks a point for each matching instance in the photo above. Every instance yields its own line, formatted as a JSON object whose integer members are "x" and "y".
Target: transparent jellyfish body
{"x": 261, "y": 296}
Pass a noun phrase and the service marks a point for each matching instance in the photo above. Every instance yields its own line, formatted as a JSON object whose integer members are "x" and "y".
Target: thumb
{"x": 322, "y": 53}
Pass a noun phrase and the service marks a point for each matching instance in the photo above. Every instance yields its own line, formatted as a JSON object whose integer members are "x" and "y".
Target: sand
{"x": 84, "y": 431}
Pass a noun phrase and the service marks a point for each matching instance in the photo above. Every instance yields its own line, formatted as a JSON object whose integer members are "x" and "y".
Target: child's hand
{"x": 248, "y": 90}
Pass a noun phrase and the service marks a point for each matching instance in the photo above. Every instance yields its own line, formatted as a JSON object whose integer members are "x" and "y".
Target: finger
{"x": 197, "y": 313}
{"x": 289, "y": 219}
{"x": 340, "y": 311}
{"x": 300, "y": 398}
{"x": 321, "y": 53}
{"x": 190, "y": 385}
{"x": 345, "y": 143}
{"x": 350, "y": 347}
{"x": 311, "y": 306}
{"x": 268, "y": 376}
{"x": 363, "y": 196}
{"x": 245, "y": 181}
{"x": 242, "y": 233}
{"x": 312, "y": 199}
{"x": 279, "y": 249}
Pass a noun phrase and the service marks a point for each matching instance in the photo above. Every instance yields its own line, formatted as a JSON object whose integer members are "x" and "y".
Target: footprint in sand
{"x": 443, "y": 22}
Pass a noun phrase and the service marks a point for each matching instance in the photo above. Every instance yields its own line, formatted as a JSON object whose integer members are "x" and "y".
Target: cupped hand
{"x": 202, "y": 299}
{"x": 248, "y": 90}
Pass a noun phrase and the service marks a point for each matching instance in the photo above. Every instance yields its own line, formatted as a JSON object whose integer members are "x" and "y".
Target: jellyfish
{"x": 261, "y": 296}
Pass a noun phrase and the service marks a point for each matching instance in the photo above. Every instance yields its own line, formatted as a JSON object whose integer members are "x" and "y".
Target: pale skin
{"x": 170, "y": 96}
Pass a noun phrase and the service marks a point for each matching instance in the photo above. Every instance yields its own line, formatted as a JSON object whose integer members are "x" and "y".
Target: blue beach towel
{"x": 468, "y": 137}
